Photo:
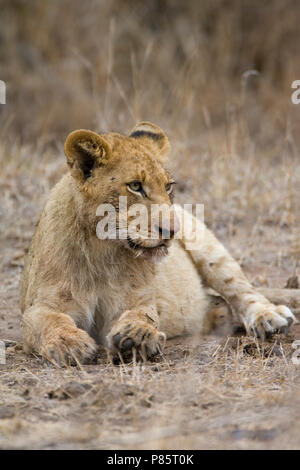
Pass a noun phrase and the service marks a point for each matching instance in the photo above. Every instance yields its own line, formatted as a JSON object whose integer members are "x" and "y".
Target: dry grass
{"x": 235, "y": 148}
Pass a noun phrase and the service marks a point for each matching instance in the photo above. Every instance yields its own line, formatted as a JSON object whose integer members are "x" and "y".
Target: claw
{"x": 155, "y": 353}
{"x": 127, "y": 344}
{"x": 117, "y": 339}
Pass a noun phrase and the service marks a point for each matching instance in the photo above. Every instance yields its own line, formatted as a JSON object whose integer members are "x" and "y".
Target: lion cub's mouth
{"x": 148, "y": 252}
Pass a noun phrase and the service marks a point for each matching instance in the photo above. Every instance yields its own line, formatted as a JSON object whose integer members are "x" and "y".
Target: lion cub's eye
{"x": 135, "y": 186}
{"x": 169, "y": 187}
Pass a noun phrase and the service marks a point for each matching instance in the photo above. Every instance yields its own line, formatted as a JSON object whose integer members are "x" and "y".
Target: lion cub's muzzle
{"x": 155, "y": 245}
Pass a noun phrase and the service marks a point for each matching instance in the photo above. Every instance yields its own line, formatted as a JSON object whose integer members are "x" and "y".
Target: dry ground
{"x": 212, "y": 392}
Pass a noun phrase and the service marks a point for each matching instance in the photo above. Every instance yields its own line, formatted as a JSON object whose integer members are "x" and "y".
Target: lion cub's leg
{"x": 222, "y": 273}
{"x": 137, "y": 328}
{"x": 55, "y": 336}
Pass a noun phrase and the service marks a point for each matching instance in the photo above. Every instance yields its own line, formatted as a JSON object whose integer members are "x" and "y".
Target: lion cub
{"x": 79, "y": 289}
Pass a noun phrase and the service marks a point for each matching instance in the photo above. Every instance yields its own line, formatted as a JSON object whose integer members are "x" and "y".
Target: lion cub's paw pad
{"x": 146, "y": 339}
{"x": 265, "y": 320}
{"x": 69, "y": 347}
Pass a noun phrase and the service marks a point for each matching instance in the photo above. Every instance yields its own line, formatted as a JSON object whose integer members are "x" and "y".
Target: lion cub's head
{"x": 113, "y": 169}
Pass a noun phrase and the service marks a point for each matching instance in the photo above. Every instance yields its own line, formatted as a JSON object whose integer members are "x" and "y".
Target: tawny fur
{"x": 78, "y": 290}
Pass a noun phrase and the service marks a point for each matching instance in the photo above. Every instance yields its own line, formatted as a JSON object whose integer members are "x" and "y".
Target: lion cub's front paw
{"x": 265, "y": 319}
{"x": 67, "y": 346}
{"x": 142, "y": 336}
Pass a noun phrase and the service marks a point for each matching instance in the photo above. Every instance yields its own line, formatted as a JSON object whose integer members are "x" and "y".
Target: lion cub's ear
{"x": 153, "y": 135}
{"x": 85, "y": 150}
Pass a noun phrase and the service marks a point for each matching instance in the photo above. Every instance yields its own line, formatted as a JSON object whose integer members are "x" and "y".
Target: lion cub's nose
{"x": 167, "y": 231}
